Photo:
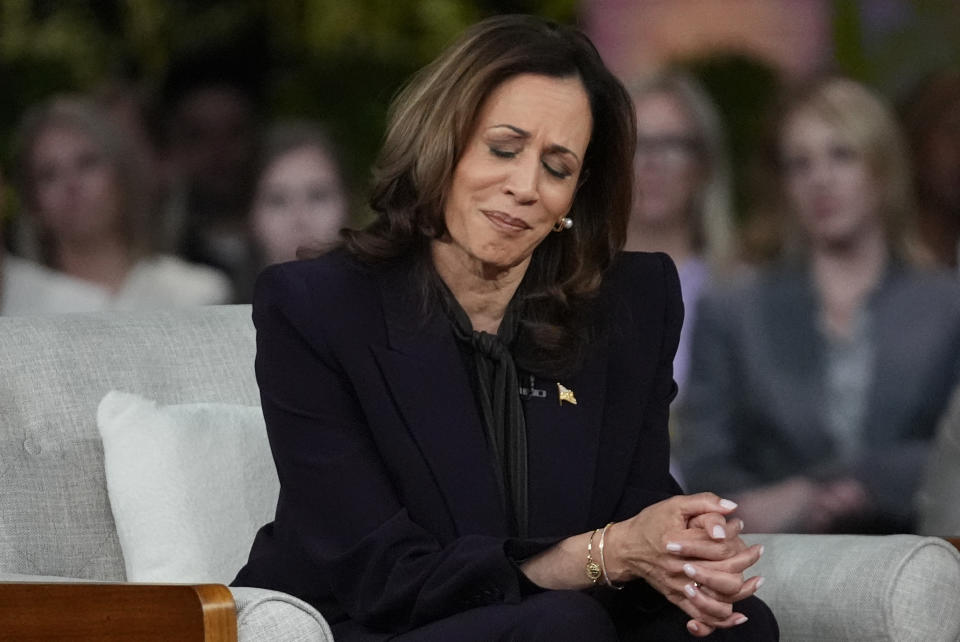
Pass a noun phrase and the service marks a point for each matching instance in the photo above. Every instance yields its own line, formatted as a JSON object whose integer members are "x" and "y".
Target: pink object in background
{"x": 638, "y": 36}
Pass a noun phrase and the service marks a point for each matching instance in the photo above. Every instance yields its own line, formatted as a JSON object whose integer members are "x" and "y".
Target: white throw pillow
{"x": 189, "y": 486}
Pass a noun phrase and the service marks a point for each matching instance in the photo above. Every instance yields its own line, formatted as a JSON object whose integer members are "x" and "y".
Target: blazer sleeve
{"x": 338, "y": 513}
{"x": 649, "y": 480}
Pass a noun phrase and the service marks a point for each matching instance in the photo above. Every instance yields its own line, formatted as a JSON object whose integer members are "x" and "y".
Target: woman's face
{"x": 75, "y": 188}
{"x": 667, "y": 165}
{"x": 518, "y": 173}
{"x": 299, "y": 201}
{"x": 830, "y": 188}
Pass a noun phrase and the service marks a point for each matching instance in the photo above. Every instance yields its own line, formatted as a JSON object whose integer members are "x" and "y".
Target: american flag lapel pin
{"x": 566, "y": 394}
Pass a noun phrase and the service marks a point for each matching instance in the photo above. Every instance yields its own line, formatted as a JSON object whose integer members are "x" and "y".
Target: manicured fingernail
{"x": 742, "y": 524}
{"x": 726, "y": 503}
{"x": 690, "y": 590}
{"x": 718, "y": 532}
{"x": 689, "y": 571}
{"x": 692, "y": 626}
{"x": 760, "y": 582}
{"x": 673, "y": 547}
{"x": 762, "y": 549}
{"x": 740, "y": 620}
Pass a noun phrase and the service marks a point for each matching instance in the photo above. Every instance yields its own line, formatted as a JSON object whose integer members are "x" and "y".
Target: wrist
{"x": 614, "y": 558}
{"x": 603, "y": 563}
{"x": 592, "y": 568}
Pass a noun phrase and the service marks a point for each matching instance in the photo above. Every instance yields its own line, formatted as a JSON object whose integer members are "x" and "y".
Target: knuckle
{"x": 719, "y": 615}
{"x": 723, "y": 610}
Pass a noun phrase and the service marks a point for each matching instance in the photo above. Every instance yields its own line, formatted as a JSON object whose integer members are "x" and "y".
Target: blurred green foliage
{"x": 744, "y": 89}
{"x": 336, "y": 60}
{"x": 923, "y": 40}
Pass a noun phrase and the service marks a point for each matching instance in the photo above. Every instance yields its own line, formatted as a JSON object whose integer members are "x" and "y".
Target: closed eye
{"x": 557, "y": 173}
{"x": 843, "y": 153}
{"x": 502, "y": 153}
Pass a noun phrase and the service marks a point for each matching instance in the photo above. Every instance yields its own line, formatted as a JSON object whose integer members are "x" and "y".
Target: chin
{"x": 500, "y": 261}
{"x": 834, "y": 239}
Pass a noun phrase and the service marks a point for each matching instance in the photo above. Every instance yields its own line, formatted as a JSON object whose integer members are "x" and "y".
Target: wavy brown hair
{"x": 430, "y": 122}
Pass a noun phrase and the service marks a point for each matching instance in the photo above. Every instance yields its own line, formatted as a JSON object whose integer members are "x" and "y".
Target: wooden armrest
{"x": 114, "y": 612}
{"x": 954, "y": 540}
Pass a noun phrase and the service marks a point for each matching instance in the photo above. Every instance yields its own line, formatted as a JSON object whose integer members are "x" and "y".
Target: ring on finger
{"x": 697, "y": 585}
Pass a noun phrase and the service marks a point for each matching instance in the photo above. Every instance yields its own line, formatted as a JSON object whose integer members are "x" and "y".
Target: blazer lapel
{"x": 564, "y": 436}
{"x": 795, "y": 350}
{"x": 886, "y": 386}
{"x": 424, "y": 371}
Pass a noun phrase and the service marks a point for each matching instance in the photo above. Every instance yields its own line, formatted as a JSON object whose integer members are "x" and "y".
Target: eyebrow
{"x": 557, "y": 149}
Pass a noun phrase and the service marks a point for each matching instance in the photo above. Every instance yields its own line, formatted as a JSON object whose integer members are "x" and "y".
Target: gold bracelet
{"x": 593, "y": 570}
{"x": 603, "y": 564}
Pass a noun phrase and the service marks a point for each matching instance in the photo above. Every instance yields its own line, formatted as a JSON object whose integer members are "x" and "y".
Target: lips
{"x": 504, "y": 221}
{"x": 823, "y": 208}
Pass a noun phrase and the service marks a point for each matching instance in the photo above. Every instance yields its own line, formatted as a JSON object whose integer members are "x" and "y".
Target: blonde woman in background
{"x": 682, "y": 189}
{"x": 815, "y": 384}
{"x": 681, "y": 202}
{"x": 85, "y": 222}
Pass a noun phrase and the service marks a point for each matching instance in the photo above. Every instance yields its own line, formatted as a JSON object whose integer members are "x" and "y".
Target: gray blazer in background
{"x": 754, "y": 409}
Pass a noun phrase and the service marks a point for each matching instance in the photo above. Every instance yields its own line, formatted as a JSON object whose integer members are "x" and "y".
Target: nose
{"x": 303, "y": 215}
{"x": 822, "y": 171}
{"x": 71, "y": 181}
{"x": 648, "y": 160}
{"x": 522, "y": 180}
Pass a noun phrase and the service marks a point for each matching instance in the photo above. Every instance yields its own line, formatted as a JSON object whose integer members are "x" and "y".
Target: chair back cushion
{"x": 55, "y": 518}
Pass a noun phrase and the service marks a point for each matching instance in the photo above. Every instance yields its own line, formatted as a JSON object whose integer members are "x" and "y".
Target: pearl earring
{"x": 563, "y": 224}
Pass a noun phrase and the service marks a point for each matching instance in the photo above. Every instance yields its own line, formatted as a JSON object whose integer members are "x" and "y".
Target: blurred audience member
{"x": 124, "y": 105}
{"x": 931, "y": 116}
{"x": 815, "y": 384}
{"x": 300, "y": 199}
{"x": 938, "y": 508}
{"x": 85, "y": 222}
{"x": 682, "y": 190}
{"x": 211, "y": 105}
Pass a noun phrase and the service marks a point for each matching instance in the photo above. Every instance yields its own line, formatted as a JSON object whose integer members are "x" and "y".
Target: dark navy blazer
{"x": 389, "y": 513}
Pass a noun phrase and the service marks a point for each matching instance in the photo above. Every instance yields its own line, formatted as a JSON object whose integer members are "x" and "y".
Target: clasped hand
{"x": 686, "y": 549}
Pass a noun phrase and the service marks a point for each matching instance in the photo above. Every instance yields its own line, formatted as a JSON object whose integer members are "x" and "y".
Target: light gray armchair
{"x": 58, "y": 534}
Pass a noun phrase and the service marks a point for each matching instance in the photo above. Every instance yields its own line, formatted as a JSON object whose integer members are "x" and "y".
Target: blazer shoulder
{"x": 642, "y": 289}
{"x": 642, "y": 267}
{"x": 643, "y": 273}
{"x": 333, "y": 296}
{"x": 930, "y": 286}
{"x": 333, "y": 279}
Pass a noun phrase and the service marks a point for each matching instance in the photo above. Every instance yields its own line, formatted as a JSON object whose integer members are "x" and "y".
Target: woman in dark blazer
{"x": 467, "y": 404}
